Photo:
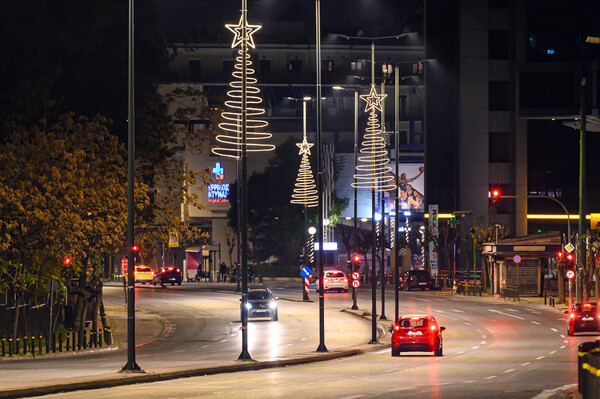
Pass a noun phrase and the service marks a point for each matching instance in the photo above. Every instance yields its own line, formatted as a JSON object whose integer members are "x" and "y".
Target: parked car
{"x": 262, "y": 303}
{"x": 143, "y": 274}
{"x": 167, "y": 275}
{"x": 417, "y": 333}
{"x": 583, "y": 317}
{"x": 416, "y": 279}
{"x": 333, "y": 280}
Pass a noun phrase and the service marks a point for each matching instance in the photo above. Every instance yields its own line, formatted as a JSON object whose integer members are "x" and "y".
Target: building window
{"x": 498, "y": 44}
{"x": 195, "y": 69}
{"x": 327, "y": 65}
{"x": 499, "y": 95}
{"x": 356, "y": 65}
{"x": 295, "y": 66}
{"x": 387, "y": 69}
{"x": 500, "y": 147}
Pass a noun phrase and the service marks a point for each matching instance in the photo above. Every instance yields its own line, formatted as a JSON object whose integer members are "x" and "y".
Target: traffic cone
{"x": 454, "y": 286}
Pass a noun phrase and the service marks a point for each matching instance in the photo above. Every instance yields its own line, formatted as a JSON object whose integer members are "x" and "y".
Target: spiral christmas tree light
{"x": 305, "y": 191}
{"x": 372, "y": 171}
{"x": 231, "y": 142}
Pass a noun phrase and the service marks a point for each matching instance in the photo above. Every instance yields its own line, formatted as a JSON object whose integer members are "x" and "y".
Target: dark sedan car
{"x": 583, "y": 317}
{"x": 167, "y": 275}
{"x": 416, "y": 279}
{"x": 262, "y": 303}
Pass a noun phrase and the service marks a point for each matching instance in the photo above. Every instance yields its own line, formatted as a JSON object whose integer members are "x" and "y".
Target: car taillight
{"x": 345, "y": 279}
{"x": 153, "y": 273}
{"x": 177, "y": 270}
{"x": 572, "y": 315}
{"x": 433, "y": 328}
{"x": 396, "y": 327}
{"x": 170, "y": 268}
{"x": 325, "y": 280}
{"x": 162, "y": 270}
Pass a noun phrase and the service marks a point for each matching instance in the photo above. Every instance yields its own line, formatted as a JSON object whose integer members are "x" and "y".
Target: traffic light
{"x": 495, "y": 193}
{"x": 67, "y": 260}
{"x": 559, "y": 255}
{"x": 356, "y": 261}
{"x": 135, "y": 249}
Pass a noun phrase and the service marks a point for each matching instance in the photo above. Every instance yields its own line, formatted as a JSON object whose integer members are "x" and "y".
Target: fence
{"x": 589, "y": 369}
{"x": 69, "y": 341}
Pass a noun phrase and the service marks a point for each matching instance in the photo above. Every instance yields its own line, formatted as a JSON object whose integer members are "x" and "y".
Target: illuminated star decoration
{"x": 238, "y": 30}
{"x": 304, "y": 147}
{"x": 373, "y": 100}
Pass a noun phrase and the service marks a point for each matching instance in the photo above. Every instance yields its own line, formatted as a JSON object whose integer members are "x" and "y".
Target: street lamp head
{"x": 312, "y": 230}
{"x": 307, "y": 98}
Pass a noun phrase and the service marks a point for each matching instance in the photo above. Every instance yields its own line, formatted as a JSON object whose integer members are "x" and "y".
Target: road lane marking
{"x": 565, "y": 341}
{"x": 457, "y": 311}
{"x": 474, "y": 347}
{"x": 554, "y": 329}
{"x": 223, "y": 340}
{"x": 506, "y": 314}
{"x": 552, "y": 353}
{"x": 563, "y": 347}
{"x": 205, "y": 346}
{"x": 467, "y": 323}
{"x": 478, "y": 330}
{"x": 353, "y": 397}
{"x": 469, "y": 382}
{"x": 483, "y": 342}
{"x": 562, "y": 336}
{"x": 490, "y": 377}
{"x": 461, "y": 352}
{"x": 303, "y": 339}
{"x": 385, "y": 350}
{"x": 540, "y": 357}
{"x": 483, "y": 336}
{"x": 535, "y": 322}
{"x": 289, "y": 344}
{"x": 525, "y": 364}
{"x": 509, "y": 370}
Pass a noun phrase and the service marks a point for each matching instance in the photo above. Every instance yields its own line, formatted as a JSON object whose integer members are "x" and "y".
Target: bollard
{"x": 100, "y": 337}
{"x": 17, "y": 344}
{"x": 84, "y": 340}
{"x": 3, "y": 347}
{"x": 32, "y": 346}
{"x": 79, "y": 340}
{"x": 60, "y": 342}
{"x": 40, "y": 344}
{"x": 68, "y": 341}
{"x": 10, "y": 347}
{"x": 25, "y": 345}
{"x": 108, "y": 335}
{"x": 53, "y": 342}
{"x": 582, "y": 350}
{"x": 73, "y": 339}
{"x": 545, "y": 293}
{"x": 590, "y": 368}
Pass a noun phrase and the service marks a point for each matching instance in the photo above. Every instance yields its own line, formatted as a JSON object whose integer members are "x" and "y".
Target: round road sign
{"x": 355, "y": 275}
{"x": 403, "y": 251}
{"x": 305, "y": 272}
{"x": 517, "y": 258}
{"x": 356, "y": 283}
{"x": 570, "y": 274}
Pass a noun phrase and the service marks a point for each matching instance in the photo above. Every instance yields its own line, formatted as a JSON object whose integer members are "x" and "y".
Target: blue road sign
{"x": 403, "y": 251}
{"x": 517, "y": 258}
{"x": 305, "y": 272}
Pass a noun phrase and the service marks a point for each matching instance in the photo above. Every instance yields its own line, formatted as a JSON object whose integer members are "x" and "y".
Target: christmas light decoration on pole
{"x": 305, "y": 192}
{"x": 243, "y": 135}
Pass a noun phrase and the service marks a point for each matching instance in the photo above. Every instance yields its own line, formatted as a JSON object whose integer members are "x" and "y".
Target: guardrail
{"x": 588, "y": 355}
{"x": 70, "y": 341}
{"x": 510, "y": 291}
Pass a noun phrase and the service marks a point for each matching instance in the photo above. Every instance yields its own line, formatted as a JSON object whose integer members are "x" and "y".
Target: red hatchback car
{"x": 417, "y": 333}
{"x": 583, "y": 317}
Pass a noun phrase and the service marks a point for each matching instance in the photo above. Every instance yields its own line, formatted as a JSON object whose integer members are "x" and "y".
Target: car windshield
{"x": 334, "y": 274}
{"x": 414, "y": 322}
{"x": 586, "y": 307}
{"x": 143, "y": 269}
{"x": 259, "y": 295}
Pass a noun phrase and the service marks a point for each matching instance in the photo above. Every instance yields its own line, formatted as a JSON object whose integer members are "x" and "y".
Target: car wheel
{"x": 395, "y": 352}
{"x": 422, "y": 288}
{"x": 439, "y": 351}
{"x": 346, "y": 290}
{"x": 275, "y": 317}
{"x": 179, "y": 283}
{"x": 153, "y": 282}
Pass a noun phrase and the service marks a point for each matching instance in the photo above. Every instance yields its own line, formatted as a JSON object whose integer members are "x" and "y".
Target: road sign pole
{"x": 355, "y": 284}
{"x": 305, "y": 292}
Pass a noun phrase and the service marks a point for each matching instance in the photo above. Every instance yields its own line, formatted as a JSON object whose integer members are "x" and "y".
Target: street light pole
{"x": 354, "y": 291}
{"x": 581, "y": 247}
{"x": 131, "y": 364}
{"x": 396, "y": 202}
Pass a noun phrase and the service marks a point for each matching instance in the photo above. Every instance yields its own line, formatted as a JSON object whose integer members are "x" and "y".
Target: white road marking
{"x": 478, "y": 330}
{"x": 554, "y": 329}
{"x": 421, "y": 299}
{"x": 303, "y": 339}
{"x": 483, "y": 336}
{"x": 552, "y": 353}
{"x": 535, "y": 322}
{"x": 540, "y": 357}
{"x": 467, "y": 323}
{"x": 566, "y": 341}
{"x": 289, "y": 344}
{"x": 385, "y": 350}
{"x": 512, "y": 310}
{"x": 469, "y": 382}
{"x": 223, "y": 340}
{"x": 525, "y": 364}
{"x": 353, "y": 397}
{"x": 461, "y": 352}
{"x": 490, "y": 377}
{"x": 562, "y": 336}
{"x": 506, "y": 314}
{"x": 474, "y": 347}
{"x": 205, "y": 346}
{"x": 457, "y": 311}
{"x": 563, "y": 347}
{"x": 509, "y": 370}
{"x": 483, "y": 342}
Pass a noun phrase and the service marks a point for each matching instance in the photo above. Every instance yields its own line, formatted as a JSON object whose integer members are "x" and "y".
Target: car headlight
{"x": 273, "y": 305}
{"x": 248, "y": 305}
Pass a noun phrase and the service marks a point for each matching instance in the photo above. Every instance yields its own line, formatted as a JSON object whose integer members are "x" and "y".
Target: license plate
{"x": 587, "y": 318}
{"x": 422, "y": 283}
{"x": 415, "y": 333}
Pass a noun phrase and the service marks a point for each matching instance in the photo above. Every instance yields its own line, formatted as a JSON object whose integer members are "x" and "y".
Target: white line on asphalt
{"x": 562, "y": 336}
{"x": 289, "y": 344}
{"x": 482, "y": 342}
{"x": 421, "y": 299}
{"x": 467, "y": 323}
{"x": 506, "y": 314}
{"x": 478, "y": 330}
{"x": 535, "y": 322}
{"x": 353, "y": 397}
{"x": 525, "y": 364}
{"x": 563, "y": 347}
{"x": 554, "y": 329}
{"x": 552, "y": 353}
{"x": 223, "y": 340}
{"x": 303, "y": 339}
{"x": 457, "y": 311}
{"x": 509, "y": 370}
{"x": 483, "y": 336}
{"x": 461, "y": 352}
{"x": 474, "y": 347}
{"x": 385, "y": 350}
{"x": 490, "y": 377}
{"x": 565, "y": 341}
{"x": 205, "y": 346}
{"x": 540, "y": 357}
{"x": 512, "y": 310}
{"x": 469, "y": 382}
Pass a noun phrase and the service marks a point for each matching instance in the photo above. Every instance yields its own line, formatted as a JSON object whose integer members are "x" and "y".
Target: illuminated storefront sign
{"x": 218, "y": 193}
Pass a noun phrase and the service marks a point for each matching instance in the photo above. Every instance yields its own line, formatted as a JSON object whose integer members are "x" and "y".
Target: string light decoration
{"x": 372, "y": 170}
{"x": 231, "y": 142}
{"x": 305, "y": 191}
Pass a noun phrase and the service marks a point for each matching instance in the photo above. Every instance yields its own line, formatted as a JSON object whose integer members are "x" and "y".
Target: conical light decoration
{"x": 372, "y": 171}
{"x": 231, "y": 142}
{"x": 305, "y": 191}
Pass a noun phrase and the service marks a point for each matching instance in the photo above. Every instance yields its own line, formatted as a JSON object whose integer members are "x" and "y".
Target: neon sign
{"x": 218, "y": 193}
{"x": 219, "y": 171}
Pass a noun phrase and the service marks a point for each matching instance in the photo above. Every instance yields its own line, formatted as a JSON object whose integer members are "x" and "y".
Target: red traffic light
{"x": 356, "y": 259}
{"x": 559, "y": 254}
{"x": 569, "y": 257}
{"x": 135, "y": 248}
{"x": 67, "y": 261}
{"x": 496, "y": 193}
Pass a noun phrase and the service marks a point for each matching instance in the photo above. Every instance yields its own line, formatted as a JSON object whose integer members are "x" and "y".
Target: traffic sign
{"x": 403, "y": 251}
{"x": 569, "y": 247}
{"x": 570, "y": 274}
{"x": 356, "y": 283}
{"x": 517, "y": 258}
{"x": 355, "y": 276}
{"x": 305, "y": 272}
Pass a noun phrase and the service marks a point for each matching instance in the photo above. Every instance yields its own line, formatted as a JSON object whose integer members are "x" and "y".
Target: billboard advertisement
{"x": 411, "y": 186}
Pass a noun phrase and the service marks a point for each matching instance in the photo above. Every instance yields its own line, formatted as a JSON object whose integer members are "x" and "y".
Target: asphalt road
{"x": 492, "y": 349}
